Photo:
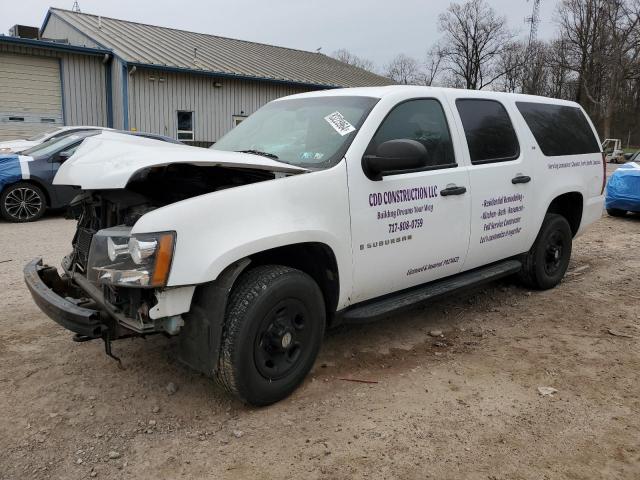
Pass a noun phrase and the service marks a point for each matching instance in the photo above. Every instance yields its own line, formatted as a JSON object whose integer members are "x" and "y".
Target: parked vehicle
{"x": 633, "y": 156}
{"x": 320, "y": 208}
{"x": 26, "y": 188}
{"x": 612, "y": 148}
{"x": 20, "y": 145}
{"x": 623, "y": 190}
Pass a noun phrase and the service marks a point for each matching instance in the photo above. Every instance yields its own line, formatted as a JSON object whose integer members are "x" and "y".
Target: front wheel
{"x": 272, "y": 334}
{"x": 546, "y": 263}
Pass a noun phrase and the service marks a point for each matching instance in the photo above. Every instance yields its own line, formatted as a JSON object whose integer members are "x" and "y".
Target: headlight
{"x": 119, "y": 258}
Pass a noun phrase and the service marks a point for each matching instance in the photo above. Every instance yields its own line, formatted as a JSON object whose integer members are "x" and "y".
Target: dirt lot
{"x": 465, "y": 405}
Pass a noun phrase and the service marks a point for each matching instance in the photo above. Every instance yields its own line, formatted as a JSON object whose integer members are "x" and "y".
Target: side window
{"x": 559, "y": 129}
{"x": 422, "y": 120}
{"x": 489, "y": 131}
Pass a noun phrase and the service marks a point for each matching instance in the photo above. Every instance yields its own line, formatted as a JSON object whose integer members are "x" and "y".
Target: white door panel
{"x": 405, "y": 232}
{"x": 500, "y": 209}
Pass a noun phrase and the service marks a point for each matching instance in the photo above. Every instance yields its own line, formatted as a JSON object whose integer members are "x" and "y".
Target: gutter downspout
{"x": 125, "y": 95}
{"x": 107, "y": 61}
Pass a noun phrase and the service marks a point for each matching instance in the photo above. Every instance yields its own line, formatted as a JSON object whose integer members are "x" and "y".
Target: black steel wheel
{"x": 273, "y": 329}
{"x": 548, "y": 259}
{"x": 22, "y": 202}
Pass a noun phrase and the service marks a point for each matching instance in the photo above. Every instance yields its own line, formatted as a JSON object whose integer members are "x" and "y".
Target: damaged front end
{"x": 114, "y": 283}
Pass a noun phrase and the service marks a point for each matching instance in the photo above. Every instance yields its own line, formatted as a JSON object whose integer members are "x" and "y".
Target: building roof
{"x": 63, "y": 47}
{"x": 162, "y": 47}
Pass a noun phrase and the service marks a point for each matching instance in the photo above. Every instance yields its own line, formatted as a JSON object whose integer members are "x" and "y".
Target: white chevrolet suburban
{"x": 320, "y": 208}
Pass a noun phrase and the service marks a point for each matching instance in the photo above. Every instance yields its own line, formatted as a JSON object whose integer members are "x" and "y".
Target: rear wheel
{"x": 616, "y": 212}
{"x": 22, "y": 202}
{"x": 547, "y": 261}
{"x": 273, "y": 330}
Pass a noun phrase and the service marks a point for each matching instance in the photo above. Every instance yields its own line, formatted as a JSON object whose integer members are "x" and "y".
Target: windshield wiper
{"x": 258, "y": 152}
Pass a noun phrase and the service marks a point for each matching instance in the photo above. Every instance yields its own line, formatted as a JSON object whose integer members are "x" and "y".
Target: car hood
{"x": 14, "y": 146}
{"x": 109, "y": 160}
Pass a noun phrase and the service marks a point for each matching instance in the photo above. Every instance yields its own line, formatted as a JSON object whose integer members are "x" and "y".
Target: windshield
{"x": 54, "y": 145}
{"x": 307, "y": 132}
{"x": 42, "y": 135}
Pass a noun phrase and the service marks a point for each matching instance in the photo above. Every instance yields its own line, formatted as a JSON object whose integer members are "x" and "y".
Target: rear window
{"x": 489, "y": 131}
{"x": 559, "y": 129}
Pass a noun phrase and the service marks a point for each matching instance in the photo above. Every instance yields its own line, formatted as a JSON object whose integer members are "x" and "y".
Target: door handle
{"x": 453, "y": 191}
{"x": 521, "y": 179}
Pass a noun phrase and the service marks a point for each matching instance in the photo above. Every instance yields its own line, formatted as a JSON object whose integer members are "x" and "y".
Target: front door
{"x": 409, "y": 227}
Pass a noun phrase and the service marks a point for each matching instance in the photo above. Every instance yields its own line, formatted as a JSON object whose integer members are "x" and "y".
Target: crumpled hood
{"x": 109, "y": 160}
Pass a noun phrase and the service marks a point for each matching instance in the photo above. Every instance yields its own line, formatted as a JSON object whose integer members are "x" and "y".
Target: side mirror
{"x": 395, "y": 156}
{"x": 65, "y": 155}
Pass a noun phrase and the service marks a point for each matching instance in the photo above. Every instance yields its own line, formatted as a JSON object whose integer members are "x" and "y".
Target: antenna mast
{"x": 76, "y": 7}
{"x": 534, "y": 20}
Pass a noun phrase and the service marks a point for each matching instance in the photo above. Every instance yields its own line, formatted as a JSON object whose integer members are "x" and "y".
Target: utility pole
{"x": 76, "y": 7}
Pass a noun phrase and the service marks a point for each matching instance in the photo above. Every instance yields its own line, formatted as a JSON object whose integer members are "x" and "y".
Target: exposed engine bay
{"x": 147, "y": 190}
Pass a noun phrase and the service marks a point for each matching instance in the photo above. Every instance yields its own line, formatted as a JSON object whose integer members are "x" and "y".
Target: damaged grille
{"x": 81, "y": 247}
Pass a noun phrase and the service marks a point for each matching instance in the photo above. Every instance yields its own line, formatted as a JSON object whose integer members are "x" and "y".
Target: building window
{"x": 238, "y": 119}
{"x": 185, "y": 125}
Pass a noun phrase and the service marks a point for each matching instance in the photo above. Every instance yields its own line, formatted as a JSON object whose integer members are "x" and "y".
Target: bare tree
{"x": 432, "y": 65}
{"x": 403, "y": 69}
{"x": 474, "y": 38}
{"x": 511, "y": 61}
{"x": 349, "y": 58}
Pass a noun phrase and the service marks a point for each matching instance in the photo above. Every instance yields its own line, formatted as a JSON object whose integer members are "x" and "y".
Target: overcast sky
{"x": 374, "y": 29}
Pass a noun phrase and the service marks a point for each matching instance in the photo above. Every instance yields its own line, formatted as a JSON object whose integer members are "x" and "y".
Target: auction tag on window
{"x": 339, "y": 123}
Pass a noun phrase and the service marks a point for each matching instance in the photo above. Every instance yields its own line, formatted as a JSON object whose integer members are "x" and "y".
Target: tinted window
{"x": 422, "y": 120}
{"x": 490, "y": 134}
{"x": 559, "y": 129}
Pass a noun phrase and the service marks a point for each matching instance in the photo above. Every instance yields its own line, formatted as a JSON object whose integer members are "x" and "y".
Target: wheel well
{"x": 315, "y": 259}
{"x": 569, "y": 205}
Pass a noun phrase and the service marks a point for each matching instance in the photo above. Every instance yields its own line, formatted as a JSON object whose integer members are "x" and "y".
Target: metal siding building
{"x": 44, "y": 85}
{"x": 141, "y": 77}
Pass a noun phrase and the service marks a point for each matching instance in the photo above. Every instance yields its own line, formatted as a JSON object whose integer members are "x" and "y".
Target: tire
{"x": 273, "y": 329}
{"x": 22, "y": 202}
{"x": 546, "y": 263}
{"x": 616, "y": 212}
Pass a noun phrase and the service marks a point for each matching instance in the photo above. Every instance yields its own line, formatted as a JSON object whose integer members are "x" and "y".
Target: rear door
{"x": 501, "y": 180}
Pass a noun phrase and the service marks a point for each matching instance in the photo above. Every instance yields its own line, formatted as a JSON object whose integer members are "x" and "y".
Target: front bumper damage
{"x": 74, "y": 304}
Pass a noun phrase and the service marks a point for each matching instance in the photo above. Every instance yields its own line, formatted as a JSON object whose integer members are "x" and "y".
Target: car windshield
{"x": 40, "y": 136}
{"x": 54, "y": 145}
{"x": 307, "y": 132}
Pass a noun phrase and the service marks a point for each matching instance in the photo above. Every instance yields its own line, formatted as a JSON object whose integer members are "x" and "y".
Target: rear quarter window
{"x": 488, "y": 129}
{"x": 559, "y": 129}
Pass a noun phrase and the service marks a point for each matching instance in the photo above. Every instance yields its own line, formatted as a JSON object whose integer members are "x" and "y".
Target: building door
{"x": 30, "y": 95}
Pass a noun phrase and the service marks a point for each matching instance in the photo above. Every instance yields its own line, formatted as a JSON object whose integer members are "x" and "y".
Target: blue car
{"x": 623, "y": 190}
{"x": 26, "y": 179}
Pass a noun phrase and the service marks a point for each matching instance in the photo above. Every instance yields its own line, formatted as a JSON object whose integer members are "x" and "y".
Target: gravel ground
{"x": 462, "y": 405}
